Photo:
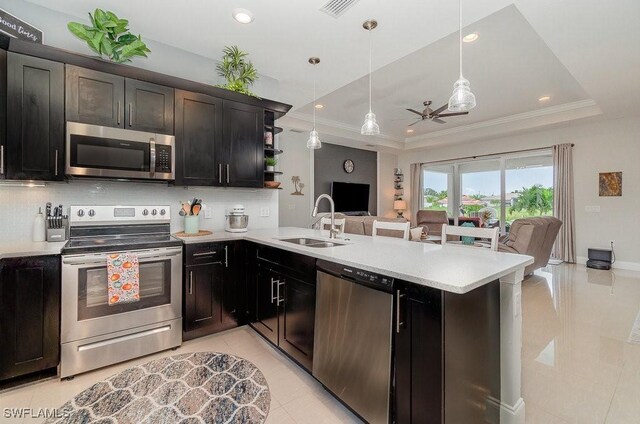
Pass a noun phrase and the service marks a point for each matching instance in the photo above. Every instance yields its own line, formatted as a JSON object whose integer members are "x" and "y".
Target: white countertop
{"x": 457, "y": 269}
{"x": 30, "y": 248}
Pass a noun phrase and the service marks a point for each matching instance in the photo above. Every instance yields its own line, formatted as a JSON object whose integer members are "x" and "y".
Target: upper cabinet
{"x": 243, "y": 134}
{"x": 105, "y": 99}
{"x": 198, "y": 139}
{"x": 34, "y": 147}
{"x": 149, "y": 107}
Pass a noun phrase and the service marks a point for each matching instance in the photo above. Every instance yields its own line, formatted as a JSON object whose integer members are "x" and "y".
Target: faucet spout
{"x": 332, "y": 232}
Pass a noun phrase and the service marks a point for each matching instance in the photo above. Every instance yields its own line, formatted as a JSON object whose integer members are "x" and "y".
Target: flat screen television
{"x": 350, "y": 197}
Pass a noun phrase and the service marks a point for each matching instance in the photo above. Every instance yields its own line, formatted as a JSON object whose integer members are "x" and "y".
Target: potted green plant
{"x": 270, "y": 163}
{"x": 109, "y": 36}
{"x": 237, "y": 70}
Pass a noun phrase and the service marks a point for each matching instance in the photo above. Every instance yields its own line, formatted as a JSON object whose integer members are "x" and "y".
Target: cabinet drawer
{"x": 294, "y": 264}
{"x": 205, "y": 253}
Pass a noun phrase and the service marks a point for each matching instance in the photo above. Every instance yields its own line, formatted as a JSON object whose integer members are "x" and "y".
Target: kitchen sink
{"x": 309, "y": 242}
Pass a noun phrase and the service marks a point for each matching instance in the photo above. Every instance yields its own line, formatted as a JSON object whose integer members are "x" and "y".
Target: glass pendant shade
{"x": 370, "y": 126}
{"x": 462, "y": 100}
{"x": 314, "y": 140}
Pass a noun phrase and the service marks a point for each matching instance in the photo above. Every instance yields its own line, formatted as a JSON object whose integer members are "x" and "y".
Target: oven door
{"x": 98, "y": 151}
{"x": 85, "y": 308}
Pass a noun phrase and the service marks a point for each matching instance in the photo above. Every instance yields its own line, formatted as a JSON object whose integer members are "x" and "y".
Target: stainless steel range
{"x": 94, "y": 333}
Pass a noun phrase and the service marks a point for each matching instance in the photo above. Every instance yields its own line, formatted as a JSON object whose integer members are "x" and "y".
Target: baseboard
{"x": 501, "y": 413}
{"x": 631, "y": 266}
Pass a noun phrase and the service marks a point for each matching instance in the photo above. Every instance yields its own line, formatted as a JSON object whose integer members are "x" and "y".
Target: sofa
{"x": 532, "y": 236}
{"x": 363, "y": 225}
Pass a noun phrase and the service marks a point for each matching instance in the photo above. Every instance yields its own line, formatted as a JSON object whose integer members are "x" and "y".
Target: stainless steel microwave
{"x": 97, "y": 151}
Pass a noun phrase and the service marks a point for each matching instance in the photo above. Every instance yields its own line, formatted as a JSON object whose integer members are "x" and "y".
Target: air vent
{"x": 295, "y": 130}
{"x": 335, "y": 8}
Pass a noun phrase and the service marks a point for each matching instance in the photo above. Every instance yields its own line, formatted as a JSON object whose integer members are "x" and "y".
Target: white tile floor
{"x": 578, "y": 367}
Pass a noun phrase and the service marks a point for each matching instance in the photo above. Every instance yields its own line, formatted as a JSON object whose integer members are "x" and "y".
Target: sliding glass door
{"x": 491, "y": 191}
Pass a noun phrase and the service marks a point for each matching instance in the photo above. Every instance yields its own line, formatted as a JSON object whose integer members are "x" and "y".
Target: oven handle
{"x": 101, "y": 258}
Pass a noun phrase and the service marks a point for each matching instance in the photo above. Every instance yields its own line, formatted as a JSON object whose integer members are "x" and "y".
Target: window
{"x": 491, "y": 191}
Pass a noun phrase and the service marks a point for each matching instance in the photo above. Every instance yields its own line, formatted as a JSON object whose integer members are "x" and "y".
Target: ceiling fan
{"x": 434, "y": 115}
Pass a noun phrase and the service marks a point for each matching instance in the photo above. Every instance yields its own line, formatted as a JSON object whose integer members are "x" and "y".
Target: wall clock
{"x": 348, "y": 166}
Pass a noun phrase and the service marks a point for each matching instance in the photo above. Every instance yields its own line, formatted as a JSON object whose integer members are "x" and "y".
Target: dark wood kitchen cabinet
{"x": 243, "y": 141}
{"x": 284, "y": 297}
{"x": 29, "y": 315}
{"x": 199, "y": 153}
{"x": 34, "y": 146}
{"x": 100, "y": 98}
{"x": 211, "y": 285}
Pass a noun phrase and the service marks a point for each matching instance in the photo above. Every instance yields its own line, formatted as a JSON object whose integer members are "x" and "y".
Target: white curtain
{"x": 563, "y": 203}
{"x": 416, "y": 189}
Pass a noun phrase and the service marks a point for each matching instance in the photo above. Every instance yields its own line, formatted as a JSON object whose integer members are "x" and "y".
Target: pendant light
{"x": 462, "y": 99}
{"x": 370, "y": 126}
{"x": 314, "y": 139}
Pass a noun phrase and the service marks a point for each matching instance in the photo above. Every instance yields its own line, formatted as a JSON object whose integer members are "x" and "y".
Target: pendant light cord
{"x": 314, "y": 97}
{"x": 460, "y": 35}
{"x": 370, "y": 54}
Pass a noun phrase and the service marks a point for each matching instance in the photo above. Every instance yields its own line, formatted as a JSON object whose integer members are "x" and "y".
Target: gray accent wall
{"x": 327, "y": 166}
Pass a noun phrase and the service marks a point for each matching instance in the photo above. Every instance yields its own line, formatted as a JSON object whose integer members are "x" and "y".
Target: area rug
{"x": 202, "y": 387}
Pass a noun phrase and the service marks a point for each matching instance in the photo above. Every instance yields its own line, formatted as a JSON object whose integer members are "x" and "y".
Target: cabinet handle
{"x": 227, "y": 173}
{"x": 226, "y": 256}
{"x": 213, "y": 252}
{"x": 399, "y": 323}
{"x": 2, "y": 160}
{"x": 273, "y": 280}
{"x": 190, "y": 282}
{"x": 118, "y": 112}
{"x": 219, "y": 173}
{"x": 56, "y": 164}
{"x": 130, "y": 114}
{"x": 278, "y": 294}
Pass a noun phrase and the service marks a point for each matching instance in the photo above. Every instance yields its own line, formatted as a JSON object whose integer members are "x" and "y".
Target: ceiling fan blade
{"x": 440, "y": 109}
{"x": 438, "y": 120}
{"x": 452, "y": 114}
{"x": 410, "y": 125}
{"x": 416, "y": 112}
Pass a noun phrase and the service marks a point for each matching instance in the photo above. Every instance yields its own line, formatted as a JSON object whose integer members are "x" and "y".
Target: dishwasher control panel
{"x": 363, "y": 277}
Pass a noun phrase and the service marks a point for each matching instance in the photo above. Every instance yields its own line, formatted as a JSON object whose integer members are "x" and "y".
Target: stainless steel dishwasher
{"x": 352, "y": 342}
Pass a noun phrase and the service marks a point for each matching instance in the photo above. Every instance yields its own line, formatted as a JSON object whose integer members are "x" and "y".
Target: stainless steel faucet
{"x": 332, "y": 231}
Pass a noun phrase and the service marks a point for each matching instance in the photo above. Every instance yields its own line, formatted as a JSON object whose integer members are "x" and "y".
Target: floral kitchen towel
{"x": 123, "y": 275}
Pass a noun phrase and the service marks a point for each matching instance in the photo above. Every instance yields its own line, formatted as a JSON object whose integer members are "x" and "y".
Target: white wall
{"x": 18, "y": 205}
{"x": 387, "y": 162}
{"x": 295, "y": 210}
{"x": 600, "y": 146}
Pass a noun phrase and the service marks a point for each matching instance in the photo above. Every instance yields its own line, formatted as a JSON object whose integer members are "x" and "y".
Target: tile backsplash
{"x": 18, "y": 205}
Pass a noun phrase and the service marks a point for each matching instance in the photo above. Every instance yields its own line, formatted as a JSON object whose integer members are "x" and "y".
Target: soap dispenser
{"x": 38, "y": 227}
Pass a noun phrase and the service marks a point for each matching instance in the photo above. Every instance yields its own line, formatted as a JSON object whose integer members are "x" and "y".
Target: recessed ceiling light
{"x": 544, "y": 99}
{"x": 319, "y": 106}
{"x": 410, "y": 130}
{"x": 470, "y": 38}
{"x": 243, "y": 16}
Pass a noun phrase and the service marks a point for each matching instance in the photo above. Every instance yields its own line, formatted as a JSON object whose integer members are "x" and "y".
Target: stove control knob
{"x": 80, "y": 212}
{"x": 145, "y": 212}
{"x": 163, "y": 212}
{"x": 92, "y": 212}
{"x": 154, "y": 212}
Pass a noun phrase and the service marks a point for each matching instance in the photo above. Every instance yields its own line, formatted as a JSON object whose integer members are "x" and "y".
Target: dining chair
{"x": 401, "y": 227}
{"x": 475, "y": 232}
{"x": 325, "y": 224}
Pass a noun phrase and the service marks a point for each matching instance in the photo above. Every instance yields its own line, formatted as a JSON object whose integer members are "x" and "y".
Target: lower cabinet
{"x": 210, "y": 289}
{"x": 29, "y": 315}
{"x": 284, "y": 292}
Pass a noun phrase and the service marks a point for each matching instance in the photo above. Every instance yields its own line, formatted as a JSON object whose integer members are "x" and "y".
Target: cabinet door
{"x": 199, "y": 158}
{"x": 232, "y": 281}
{"x": 266, "y": 320}
{"x": 94, "y": 97}
{"x": 243, "y": 132}
{"x": 419, "y": 380}
{"x": 297, "y": 318}
{"x": 149, "y": 107}
{"x": 203, "y": 296}
{"x": 29, "y": 315}
{"x": 35, "y": 118}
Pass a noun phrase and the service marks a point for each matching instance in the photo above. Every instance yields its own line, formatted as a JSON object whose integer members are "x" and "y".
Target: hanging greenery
{"x": 237, "y": 70}
{"x": 109, "y": 36}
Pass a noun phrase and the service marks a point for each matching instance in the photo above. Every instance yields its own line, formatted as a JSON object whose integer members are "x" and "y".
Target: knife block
{"x": 58, "y": 234}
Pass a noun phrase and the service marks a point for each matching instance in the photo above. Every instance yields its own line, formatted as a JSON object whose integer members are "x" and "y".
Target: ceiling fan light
{"x": 314, "y": 140}
{"x": 462, "y": 99}
{"x": 370, "y": 126}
